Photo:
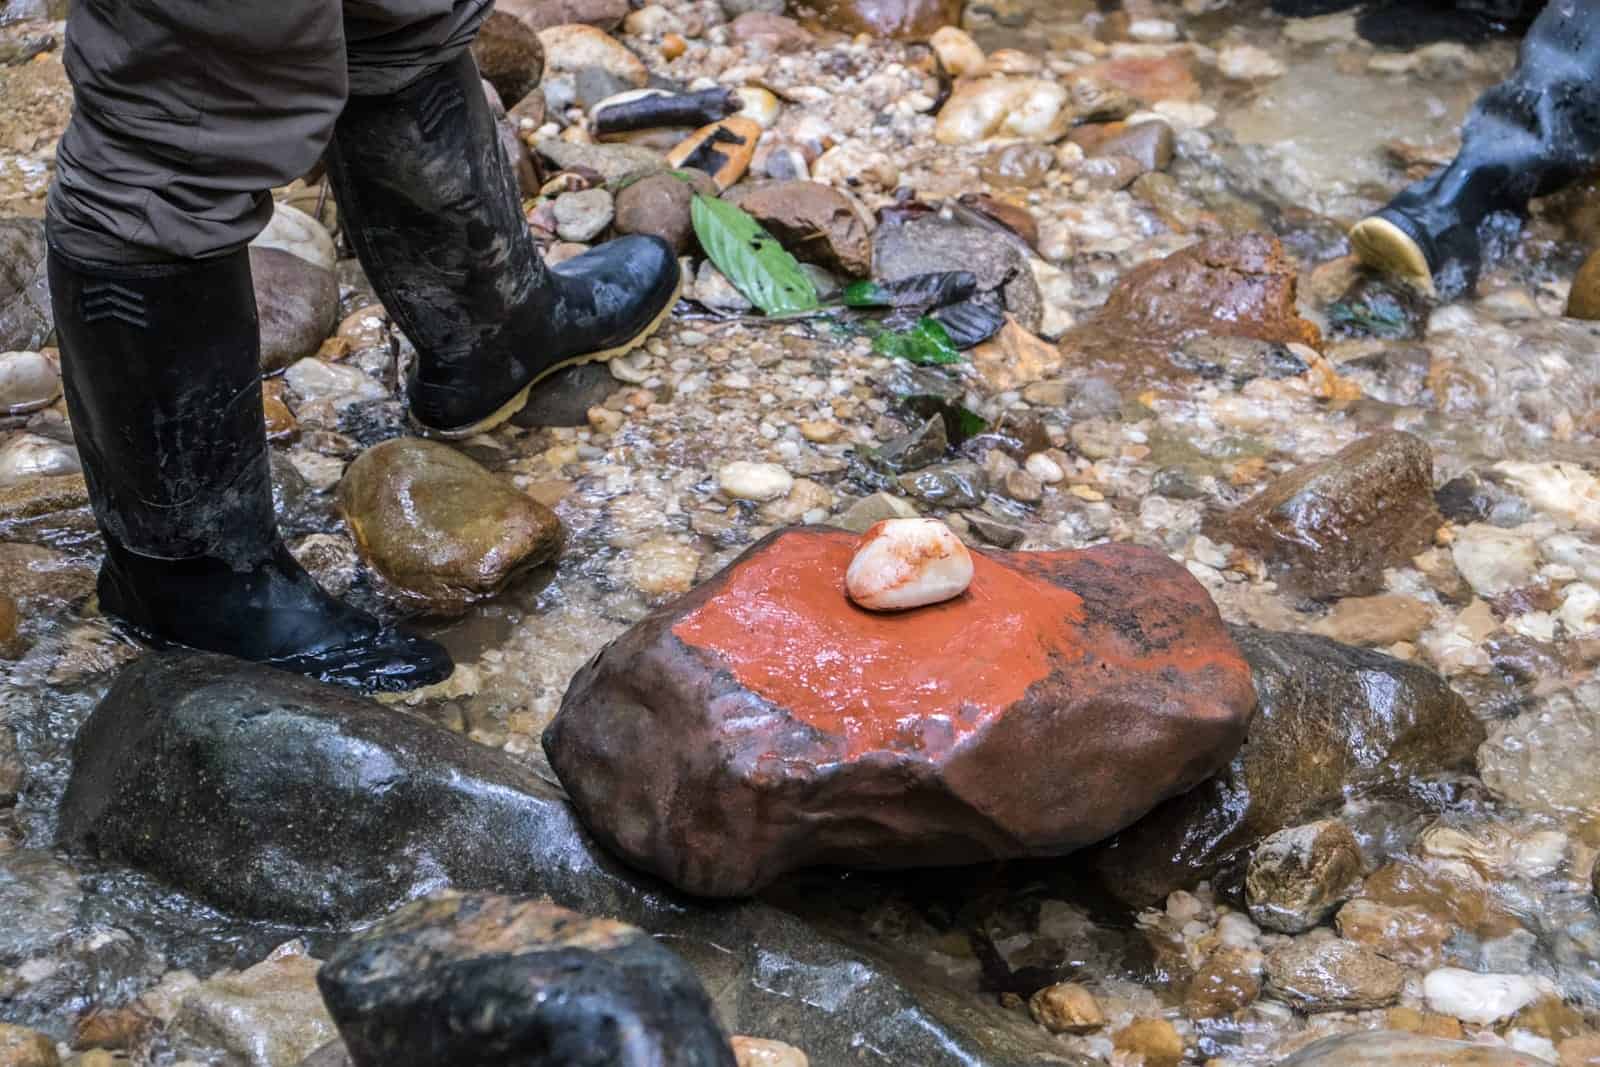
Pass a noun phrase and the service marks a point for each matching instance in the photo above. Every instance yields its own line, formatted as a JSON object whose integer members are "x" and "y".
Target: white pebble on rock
{"x": 908, "y": 563}
{"x": 1478, "y": 998}
{"x": 744, "y": 480}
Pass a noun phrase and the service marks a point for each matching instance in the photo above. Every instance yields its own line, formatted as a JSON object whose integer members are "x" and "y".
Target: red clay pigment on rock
{"x": 764, "y": 723}
{"x": 787, "y": 632}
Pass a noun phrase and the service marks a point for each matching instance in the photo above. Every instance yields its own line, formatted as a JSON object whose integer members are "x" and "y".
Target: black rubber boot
{"x": 163, "y": 382}
{"x": 1528, "y": 136}
{"x": 1414, "y": 23}
{"x": 1306, "y": 9}
{"x": 429, "y": 202}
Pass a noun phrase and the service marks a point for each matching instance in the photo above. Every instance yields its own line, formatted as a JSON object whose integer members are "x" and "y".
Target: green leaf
{"x": 926, "y": 342}
{"x": 863, "y": 295}
{"x": 968, "y": 424}
{"x": 754, "y": 261}
{"x": 919, "y": 290}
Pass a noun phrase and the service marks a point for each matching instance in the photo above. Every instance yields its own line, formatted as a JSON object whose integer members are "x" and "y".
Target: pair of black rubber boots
{"x": 163, "y": 379}
{"x": 1527, "y": 137}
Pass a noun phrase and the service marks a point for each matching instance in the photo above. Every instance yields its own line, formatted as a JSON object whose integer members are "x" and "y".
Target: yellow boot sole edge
{"x": 1383, "y": 246}
{"x": 520, "y": 401}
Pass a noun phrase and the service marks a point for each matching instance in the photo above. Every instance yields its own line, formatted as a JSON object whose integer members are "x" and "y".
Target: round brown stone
{"x": 764, "y": 723}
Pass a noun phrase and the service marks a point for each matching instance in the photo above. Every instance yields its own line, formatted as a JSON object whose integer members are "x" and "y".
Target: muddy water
{"x": 1500, "y": 377}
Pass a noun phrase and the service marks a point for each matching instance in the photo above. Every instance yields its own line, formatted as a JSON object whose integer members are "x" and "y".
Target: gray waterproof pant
{"x": 188, "y": 112}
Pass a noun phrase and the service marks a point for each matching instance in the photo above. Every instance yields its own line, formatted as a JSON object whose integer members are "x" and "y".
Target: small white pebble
{"x": 908, "y": 563}
{"x": 744, "y": 480}
{"x": 1047, "y": 470}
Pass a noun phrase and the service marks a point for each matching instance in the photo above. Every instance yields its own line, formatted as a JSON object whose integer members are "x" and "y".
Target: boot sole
{"x": 1385, "y": 247}
{"x": 520, "y": 400}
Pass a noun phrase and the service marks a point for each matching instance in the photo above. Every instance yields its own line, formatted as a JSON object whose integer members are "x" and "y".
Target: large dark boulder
{"x": 1333, "y": 722}
{"x": 518, "y": 983}
{"x": 270, "y": 795}
{"x": 764, "y": 722}
{"x": 279, "y": 798}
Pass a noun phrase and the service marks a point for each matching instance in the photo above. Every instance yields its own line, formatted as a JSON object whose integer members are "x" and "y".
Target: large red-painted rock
{"x": 764, "y": 723}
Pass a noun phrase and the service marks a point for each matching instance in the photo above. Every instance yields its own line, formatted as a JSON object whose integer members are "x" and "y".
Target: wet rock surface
{"x": 796, "y": 758}
{"x": 331, "y": 848}
{"x": 508, "y": 51}
{"x": 440, "y": 528}
{"x": 265, "y": 1015}
{"x": 350, "y": 851}
{"x": 931, "y": 245}
{"x": 1406, "y": 1050}
{"x": 582, "y": 990}
{"x": 1227, "y": 287}
{"x": 658, "y": 206}
{"x": 1331, "y": 974}
{"x": 1290, "y": 127}
{"x": 297, "y": 303}
{"x": 28, "y": 381}
{"x": 1538, "y": 759}
{"x": 1331, "y": 721}
{"x": 814, "y": 221}
{"x": 1330, "y": 529}
{"x": 1297, "y": 877}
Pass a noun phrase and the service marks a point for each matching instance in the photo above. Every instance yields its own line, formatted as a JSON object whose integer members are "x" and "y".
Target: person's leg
{"x": 1526, "y": 137}
{"x": 431, "y": 206}
{"x": 187, "y": 112}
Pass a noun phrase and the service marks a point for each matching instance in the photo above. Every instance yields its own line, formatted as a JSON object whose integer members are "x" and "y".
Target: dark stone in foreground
{"x": 516, "y": 983}
{"x": 764, "y": 723}
{"x": 275, "y": 797}
{"x": 1333, "y": 721}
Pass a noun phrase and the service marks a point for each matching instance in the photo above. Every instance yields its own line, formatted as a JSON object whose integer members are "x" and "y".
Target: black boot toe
{"x": 387, "y": 661}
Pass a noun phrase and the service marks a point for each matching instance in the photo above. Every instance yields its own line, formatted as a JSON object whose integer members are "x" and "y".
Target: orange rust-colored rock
{"x": 764, "y": 723}
{"x": 1227, "y": 287}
